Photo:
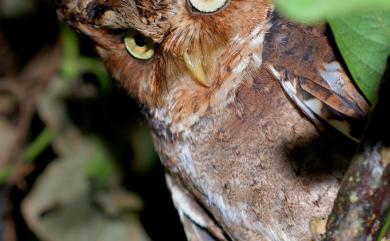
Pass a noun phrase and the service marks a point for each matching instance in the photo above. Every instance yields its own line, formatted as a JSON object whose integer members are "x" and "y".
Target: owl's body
{"x": 242, "y": 161}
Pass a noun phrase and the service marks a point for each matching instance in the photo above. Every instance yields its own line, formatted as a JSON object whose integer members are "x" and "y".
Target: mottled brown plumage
{"x": 242, "y": 161}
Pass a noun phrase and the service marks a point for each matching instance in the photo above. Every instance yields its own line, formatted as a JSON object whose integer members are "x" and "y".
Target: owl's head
{"x": 183, "y": 56}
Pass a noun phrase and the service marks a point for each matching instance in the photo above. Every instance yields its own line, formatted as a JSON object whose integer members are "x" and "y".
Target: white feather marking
{"x": 192, "y": 119}
{"x": 187, "y": 160}
{"x": 241, "y": 66}
{"x": 291, "y": 87}
{"x": 160, "y": 114}
{"x": 257, "y": 60}
{"x": 179, "y": 127}
{"x": 291, "y": 91}
{"x": 329, "y": 77}
{"x": 333, "y": 66}
{"x": 238, "y": 214}
{"x": 314, "y": 105}
{"x": 274, "y": 72}
{"x": 256, "y": 31}
{"x": 257, "y": 41}
{"x": 239, "y": 40}
{"x": 183, "y": 203}
{"x": 298, "y": 102}
{"x": 334, "y": 76}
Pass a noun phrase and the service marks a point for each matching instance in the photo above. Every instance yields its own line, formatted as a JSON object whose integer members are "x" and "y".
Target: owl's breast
{"x": 250, "y": 153}
{"x": 251, "y": 165}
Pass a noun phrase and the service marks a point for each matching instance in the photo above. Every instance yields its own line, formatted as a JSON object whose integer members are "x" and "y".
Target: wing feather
{"x": 321, "y": 102}
{"x": 304, "y": 62}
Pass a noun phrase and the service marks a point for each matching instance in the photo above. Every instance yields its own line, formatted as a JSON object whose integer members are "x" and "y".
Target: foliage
{"x": 311, "y": 11}
{"x": 364, "y": 41}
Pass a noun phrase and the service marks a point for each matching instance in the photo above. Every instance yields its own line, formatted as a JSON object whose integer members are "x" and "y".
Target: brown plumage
{"x": 224, "y": 94}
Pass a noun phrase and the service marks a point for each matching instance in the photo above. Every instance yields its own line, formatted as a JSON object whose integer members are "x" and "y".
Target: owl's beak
{"x": 194, "y": 65}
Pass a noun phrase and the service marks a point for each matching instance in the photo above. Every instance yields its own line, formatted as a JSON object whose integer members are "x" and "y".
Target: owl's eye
{"x": 208, "y": 6}
{"x": 139, "y": 46}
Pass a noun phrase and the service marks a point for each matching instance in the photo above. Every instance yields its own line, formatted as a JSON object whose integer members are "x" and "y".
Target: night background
{"x": 76, "y": 156}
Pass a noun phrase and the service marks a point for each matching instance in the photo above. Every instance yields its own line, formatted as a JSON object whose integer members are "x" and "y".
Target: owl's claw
{"x": 194, "y": 65}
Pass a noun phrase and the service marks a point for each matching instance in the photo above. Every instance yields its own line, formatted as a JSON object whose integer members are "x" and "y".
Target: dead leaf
{"x": 61, "y": 206}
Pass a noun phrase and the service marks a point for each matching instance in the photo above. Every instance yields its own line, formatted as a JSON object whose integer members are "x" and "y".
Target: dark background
{"x": 95, "y": 106}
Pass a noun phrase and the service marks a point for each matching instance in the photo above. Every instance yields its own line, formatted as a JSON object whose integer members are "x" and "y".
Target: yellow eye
{"x": 139, "y": 46}
{"x": 208, "y": 6}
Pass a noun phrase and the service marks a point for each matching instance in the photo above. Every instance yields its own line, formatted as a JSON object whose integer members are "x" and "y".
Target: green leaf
{"x": 35, "y": 148}
{"x": 384, "y": 229}
{"x": 310, "y": 11}
{"x": 101, "y": 167}
{"x": 96, "y": 67}
{"x": 69, "y": 67}
{"x": 5, "y": 173}
{"x": 364, "y": 42}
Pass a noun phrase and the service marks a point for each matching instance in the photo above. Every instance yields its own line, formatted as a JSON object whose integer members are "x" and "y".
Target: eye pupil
{"x": 138, "y": 45}
{"x": 139, "y": 40}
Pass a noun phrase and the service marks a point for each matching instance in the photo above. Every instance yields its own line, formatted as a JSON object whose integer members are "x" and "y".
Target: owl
{"x": 245, "y": 109}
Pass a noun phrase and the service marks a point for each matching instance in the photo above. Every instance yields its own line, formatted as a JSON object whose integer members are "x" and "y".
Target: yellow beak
{"x": 194, "y": 66}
